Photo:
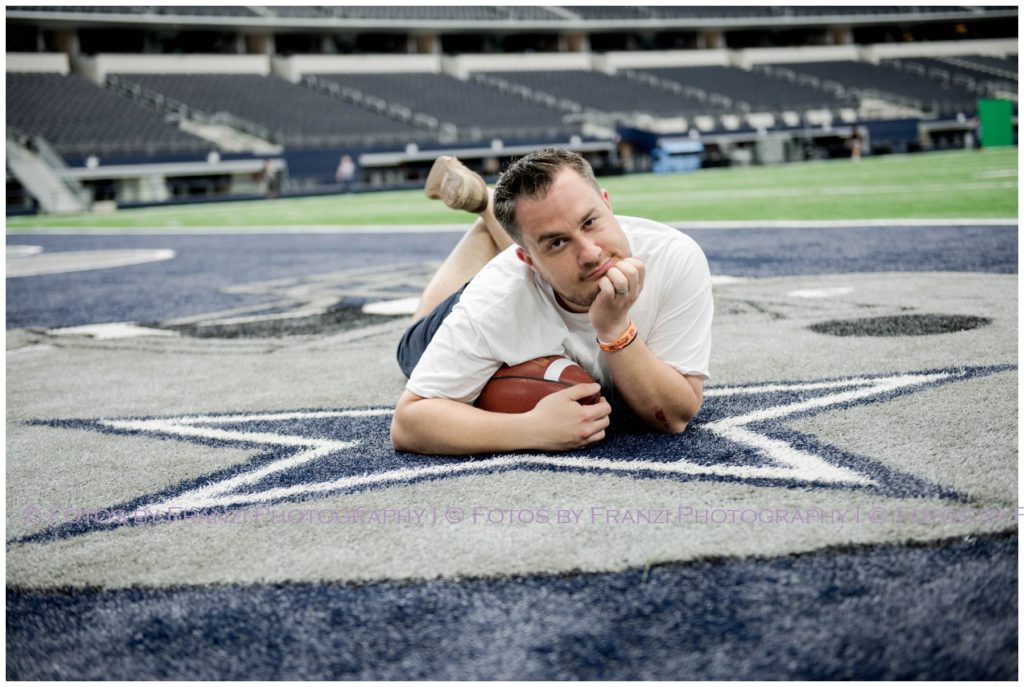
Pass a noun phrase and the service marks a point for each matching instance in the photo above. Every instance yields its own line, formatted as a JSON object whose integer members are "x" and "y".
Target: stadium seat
{"x": 79, "y": 118}
{"x": 614, "y": 94}
{"x": 292, "y": 115}
{"x": 886, "y": 82}
{"x": 759, "y": 90}
{"x": 479, "y": 111}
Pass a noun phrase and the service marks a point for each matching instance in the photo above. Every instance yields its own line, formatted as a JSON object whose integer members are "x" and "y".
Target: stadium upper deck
{"x": 146, "y": 84}
{"x": 565, "y": 15}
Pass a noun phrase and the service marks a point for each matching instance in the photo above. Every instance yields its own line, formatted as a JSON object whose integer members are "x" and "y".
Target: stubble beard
{"x": 580, "y": 300}
{"x": 584, "y": 299}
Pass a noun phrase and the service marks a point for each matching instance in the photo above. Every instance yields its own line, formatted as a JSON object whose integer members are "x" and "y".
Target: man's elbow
{"x": 677, "y": 426}
{"x": 677, "y": 423}
{"x": 401, "y": 438}
{"x": 669, "y": 424}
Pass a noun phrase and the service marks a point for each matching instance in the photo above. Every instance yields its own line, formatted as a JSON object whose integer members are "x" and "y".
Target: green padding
{"x": 996, "y": 123}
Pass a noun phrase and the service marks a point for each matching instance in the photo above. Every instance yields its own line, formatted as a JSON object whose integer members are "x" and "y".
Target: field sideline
{"x": 975, "y": 184}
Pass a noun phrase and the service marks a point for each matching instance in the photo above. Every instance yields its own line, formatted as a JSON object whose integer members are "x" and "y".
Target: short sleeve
{"x": 681, "y": 333}
{"x": 456, "y": 364}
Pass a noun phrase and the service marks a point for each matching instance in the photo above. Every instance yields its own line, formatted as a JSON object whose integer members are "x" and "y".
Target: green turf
{"x": 934, "y": 185}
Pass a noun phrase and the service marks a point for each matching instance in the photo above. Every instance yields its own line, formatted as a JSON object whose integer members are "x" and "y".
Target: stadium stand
{"x": 756, "y": 89}
{"x": 615, "y": 95}
{"x": 737, "y": 12}
{"x": 1003, "y": 64}
{"x": 80, "y": 8}
{"x": 486, "y": 17}
{"x": 526, "y": 12}
{"x": 476, "y": 110}
{"x": 980, "y": 79}
{"x": 413, "y": 12}
{"x": 452, "y": 13}
{"x": 292, "y": 115}
{"x": 709, "y": 12}
{"x": 392, "y": 85}
{"x": 602, "y": 13}
{"x": 197, "y": 10}
{"x": 297, "y": 12}
{"x": 233, "y": 11}
{"x": 79, "y": 118}
{"x": 825, "y": 10}
{"x": 869, "y": 80}
{"x": 410, "y": 12}
{"x": 976, "y": 80}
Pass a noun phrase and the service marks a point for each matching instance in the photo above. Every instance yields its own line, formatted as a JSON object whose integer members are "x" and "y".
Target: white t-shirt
{"x": 509, "y": 315}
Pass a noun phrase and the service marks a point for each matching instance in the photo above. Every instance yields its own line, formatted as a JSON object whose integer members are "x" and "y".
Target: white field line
{"x": 675, "y": 194}
{"x": 807, "y": 465}
{"x": 461, "y": 228}
{"x": 846, "y": 223}
{"x": 695, "y": 194}
{"x": 821, "y": 293}
{"x": 298, "y": 207}
{"x": 253, "y": 229}
{"x": 684, "y": 195}
{"x": 111, "y": 330}
{"x": 33, "y": 349}
{"x": 995, "y": 173}
{"x": 23, "y": 251}
{"x": 80, "y": 261}
{"x": 790, "y": 462}
{"x": 771, "y": 388}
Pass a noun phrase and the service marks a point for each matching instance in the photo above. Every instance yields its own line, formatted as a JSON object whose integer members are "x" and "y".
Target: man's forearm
{"x": 664, "y": 398}
{"x": 656, "y": 392}
{"x": 441, "y": 426}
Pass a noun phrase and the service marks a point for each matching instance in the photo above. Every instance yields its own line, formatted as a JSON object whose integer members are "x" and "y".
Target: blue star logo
{"x": 741, "y": 434}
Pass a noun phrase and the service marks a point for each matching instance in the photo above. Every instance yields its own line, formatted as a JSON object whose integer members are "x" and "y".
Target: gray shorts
{"x": 416, "y": 337}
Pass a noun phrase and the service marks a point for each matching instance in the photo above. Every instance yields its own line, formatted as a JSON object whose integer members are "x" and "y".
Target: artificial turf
{"x": 974, "y": 184}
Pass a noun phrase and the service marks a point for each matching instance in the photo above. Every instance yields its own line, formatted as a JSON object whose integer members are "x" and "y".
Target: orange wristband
{"x": 620, "y": 343}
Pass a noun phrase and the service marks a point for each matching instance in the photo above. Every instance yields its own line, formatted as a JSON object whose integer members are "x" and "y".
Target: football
{"x": 518, "y": 389}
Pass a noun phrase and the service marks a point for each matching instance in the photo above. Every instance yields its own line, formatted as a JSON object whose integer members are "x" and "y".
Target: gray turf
{"x": 902, "y": 599}
{"x": 758, "y": 330}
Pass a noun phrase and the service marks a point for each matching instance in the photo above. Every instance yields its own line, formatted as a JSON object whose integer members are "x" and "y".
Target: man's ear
{"x": 605, "y": 198}
{"x": 525, "y": 257}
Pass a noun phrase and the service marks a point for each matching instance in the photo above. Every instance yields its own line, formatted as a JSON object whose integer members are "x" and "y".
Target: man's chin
{"x": 577, "y": 303}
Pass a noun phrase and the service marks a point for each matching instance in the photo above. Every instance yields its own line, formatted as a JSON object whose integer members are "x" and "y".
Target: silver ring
{"x": 622, "y": 293}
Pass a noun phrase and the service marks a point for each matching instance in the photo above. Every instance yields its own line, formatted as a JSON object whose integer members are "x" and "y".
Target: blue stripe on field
{"x": 940, "y": 612}
{"x": 372, "y": 456}
{"x": 785, "y": 252}
{"x": 191, "y": 283}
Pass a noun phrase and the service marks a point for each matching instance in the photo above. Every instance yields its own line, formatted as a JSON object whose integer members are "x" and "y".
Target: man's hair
{"x": 531, "y": 177}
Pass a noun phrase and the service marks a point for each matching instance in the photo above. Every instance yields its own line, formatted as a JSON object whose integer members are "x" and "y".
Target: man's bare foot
{"x": 457, "y": 186}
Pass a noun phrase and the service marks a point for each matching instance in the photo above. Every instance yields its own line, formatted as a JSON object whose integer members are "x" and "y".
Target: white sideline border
{"x": 461, "y": 228}
{"x": 847, "y": 223}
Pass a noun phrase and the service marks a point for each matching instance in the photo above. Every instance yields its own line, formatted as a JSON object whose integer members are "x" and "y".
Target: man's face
{"x": 571, "y": 238}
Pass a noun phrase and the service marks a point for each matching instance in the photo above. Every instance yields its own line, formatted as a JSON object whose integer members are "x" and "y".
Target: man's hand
{"x": 657, "y": 393}
{"x": 620, "y": 287}
{"x": 559, "y": 422}
{"x": 441, "y": 426}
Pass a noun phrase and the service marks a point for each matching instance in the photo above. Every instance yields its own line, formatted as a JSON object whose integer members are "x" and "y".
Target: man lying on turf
{"x": 628, "y": 299}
